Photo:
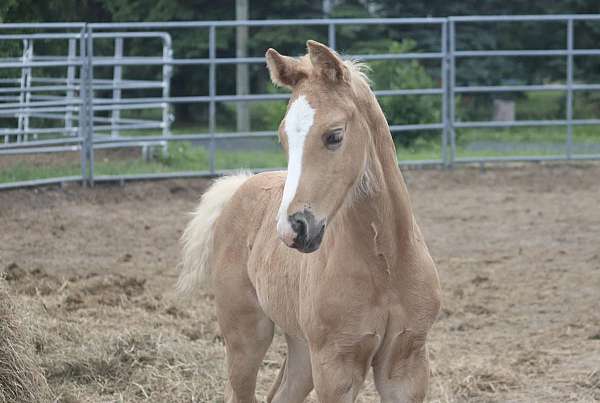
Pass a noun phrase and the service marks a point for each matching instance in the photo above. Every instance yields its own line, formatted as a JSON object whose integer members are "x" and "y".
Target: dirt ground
{"x": 517, "y": 248}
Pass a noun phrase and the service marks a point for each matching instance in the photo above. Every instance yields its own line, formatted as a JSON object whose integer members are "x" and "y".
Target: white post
{"x": 167, "y": 72}
{"x": 117, "y": 75}
{"x": 327, "y": 6}
{"x": 242, "y": 84}
{"x": 70, "y": 82}
{"x": 29, "y": 59}
{"x": 24, "y": 95}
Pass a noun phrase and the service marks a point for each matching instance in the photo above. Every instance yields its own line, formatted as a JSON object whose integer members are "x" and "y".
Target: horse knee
{"x": 340, "y": 373}
{"x": 405, "y": 380}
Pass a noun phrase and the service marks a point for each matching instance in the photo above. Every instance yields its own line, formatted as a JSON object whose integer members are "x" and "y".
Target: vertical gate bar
{"x": 81, "y": 121}
{"x": 331, "y": 35}
{"x": 569, "y": 145}
{"x": 116, "y": 95}
{"x": 70, "y": 93}
{"x": 212, "y": 91}
{"x": 451, "y": 96}
{"x": 90, "y": 106}
{"x": 444, "y": 74}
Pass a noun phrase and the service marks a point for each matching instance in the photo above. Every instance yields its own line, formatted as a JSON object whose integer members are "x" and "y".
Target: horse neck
{"x": 386, "y": 208}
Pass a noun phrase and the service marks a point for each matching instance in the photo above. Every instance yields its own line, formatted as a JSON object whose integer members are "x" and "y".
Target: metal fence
{"x": 91, "y": 121}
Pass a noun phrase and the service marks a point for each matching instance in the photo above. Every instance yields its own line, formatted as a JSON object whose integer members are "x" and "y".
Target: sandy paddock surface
{"x": 518, "y": 250}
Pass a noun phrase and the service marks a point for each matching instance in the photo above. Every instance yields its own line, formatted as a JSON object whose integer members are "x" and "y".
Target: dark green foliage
{"x": 413, "y": 109}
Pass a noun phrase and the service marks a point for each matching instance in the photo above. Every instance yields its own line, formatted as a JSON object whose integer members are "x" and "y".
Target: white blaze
{"x": 298, "y": 121}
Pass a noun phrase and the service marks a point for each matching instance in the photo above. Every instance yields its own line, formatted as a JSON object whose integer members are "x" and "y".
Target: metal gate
{"x": 88, "y": 103}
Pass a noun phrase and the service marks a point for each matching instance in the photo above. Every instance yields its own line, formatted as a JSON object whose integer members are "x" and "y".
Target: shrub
{"x": 267, "y": 115}
{"x": 400, "y": 110}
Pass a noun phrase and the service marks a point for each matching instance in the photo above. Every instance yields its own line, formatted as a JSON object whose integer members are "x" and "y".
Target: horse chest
{"x": 276, "y": 280}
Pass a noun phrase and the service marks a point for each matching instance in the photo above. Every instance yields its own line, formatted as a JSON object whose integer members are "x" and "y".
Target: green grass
{"x": 551, "y": 134}
{"x": 423, "y": 149}
{"x": 21, "y": 172}
{"x": 182, "y": 156}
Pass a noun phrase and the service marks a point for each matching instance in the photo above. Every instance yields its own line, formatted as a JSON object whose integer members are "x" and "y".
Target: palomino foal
{"x": 330, "y": 251}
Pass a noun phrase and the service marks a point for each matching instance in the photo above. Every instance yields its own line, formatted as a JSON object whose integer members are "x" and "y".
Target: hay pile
{"x": 21, "y": 379}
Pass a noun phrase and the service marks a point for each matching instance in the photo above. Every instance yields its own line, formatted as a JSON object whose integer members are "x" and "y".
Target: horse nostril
{"x": 299, "y": 225}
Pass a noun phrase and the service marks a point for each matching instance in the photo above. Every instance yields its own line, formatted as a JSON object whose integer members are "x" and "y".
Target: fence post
{"x": 569, "y": 145}
{"x": 451, "y": 85}
{"x": 167, "y": 72}
{"x": 25, "y": 95}
{"x": 445, "y": 87}
{"x": 331, "y": 35}
{"x": 21, "y": 115}
{"x": 70, "y": 82}
{"x": 212, "y": 91}
{"x": 89, "y": 109}
{"x": 28, "y": 81}
{"x": 82, "y": 118}
{"x": 116, "y": 93}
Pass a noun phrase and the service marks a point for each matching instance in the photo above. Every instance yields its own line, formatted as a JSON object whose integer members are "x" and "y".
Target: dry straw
{"x": 21, "y": 378}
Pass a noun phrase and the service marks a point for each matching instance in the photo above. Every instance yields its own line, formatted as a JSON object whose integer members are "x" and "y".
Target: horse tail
{"x": 197, "y": 239}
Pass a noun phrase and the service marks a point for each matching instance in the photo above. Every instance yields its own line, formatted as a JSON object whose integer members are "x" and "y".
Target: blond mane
{"x": 358, "y": 71}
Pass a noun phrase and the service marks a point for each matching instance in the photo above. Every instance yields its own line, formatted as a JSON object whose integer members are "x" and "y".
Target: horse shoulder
{"x": 341, "y": 300}
{"x": 415, "y": 293}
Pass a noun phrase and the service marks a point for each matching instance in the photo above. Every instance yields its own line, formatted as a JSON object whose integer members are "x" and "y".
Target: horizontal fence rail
{"x": 93, "y": 109}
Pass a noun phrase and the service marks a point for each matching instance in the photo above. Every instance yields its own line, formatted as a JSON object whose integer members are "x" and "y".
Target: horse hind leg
{"x": 247, "y": 332}
{"x": 294, "y": 381}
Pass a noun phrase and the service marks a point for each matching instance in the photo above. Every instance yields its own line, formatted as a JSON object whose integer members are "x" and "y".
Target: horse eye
{"x": 333, "y": 139}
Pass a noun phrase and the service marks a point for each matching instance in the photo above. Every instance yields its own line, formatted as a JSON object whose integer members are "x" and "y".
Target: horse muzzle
{"x": 302, "y": 231}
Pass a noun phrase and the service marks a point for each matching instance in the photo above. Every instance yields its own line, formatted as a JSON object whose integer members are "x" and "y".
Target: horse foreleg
{"x": 295, "y": 377}
{"x": 278, "y": 380}
{"x": 402, "y": 376}
{"x": 247, "y": 333}
{"x": 340, "y": 367}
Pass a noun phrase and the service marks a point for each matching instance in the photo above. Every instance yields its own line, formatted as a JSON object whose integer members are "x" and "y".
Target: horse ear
{"x": 285, "y": 71}
{"x": 327, "y": 63}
